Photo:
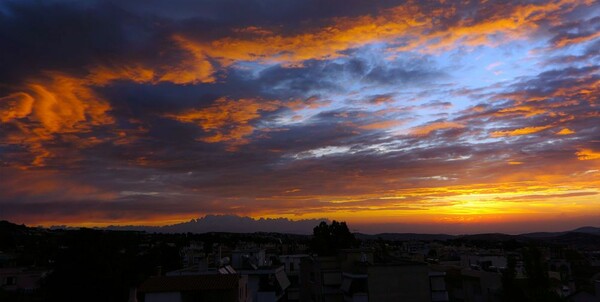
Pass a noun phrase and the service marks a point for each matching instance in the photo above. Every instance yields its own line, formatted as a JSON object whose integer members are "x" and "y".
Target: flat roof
{"x": 190, "y": 283}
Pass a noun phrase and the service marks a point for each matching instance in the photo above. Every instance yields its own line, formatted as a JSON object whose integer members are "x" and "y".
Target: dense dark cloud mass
{"x": 421, "y": 112}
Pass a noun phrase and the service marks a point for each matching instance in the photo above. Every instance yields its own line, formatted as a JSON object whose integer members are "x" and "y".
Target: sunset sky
{"x": 421, "y": 116}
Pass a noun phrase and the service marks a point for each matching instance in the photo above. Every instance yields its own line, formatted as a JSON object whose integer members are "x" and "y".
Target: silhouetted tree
{"x": 382, "y": 252}
{"x": 535, "y": 267}
{"x": 511, "y": 290}
{"x": 327, "y": 239}
{"x": 538, "y": 285}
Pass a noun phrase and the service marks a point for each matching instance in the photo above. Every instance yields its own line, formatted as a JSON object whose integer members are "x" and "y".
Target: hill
{"x": 404, "y": 236}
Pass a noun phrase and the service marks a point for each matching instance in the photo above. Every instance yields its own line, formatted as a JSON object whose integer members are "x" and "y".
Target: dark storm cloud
{"x": 39, "y": 36}
{"x": 253, "y": 12}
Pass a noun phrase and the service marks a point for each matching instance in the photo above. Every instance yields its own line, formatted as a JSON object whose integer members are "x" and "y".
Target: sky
{"x": 421, "y": 116}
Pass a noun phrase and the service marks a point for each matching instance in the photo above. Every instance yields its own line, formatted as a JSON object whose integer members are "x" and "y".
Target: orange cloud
{"x": 520, "y": 131}
{"x": 508, "y": 24}
{"x": 565, "y": 131}
{"x": 426, "y": 129}
{"x": 568, "y": 40}
{"x": 66, "y": 104}
{"x": 55, "y": 105}
{"x": 101, "y": 75}
{"x": 527, "y": 111}
{"x": 15, "y": 106}
{"x": 194, "y": 68}
{"x": 382, "y": 125}
{"x": 228, "y": 120}
{"x": 381, "y": 99}
{"x": 587, "y": 154}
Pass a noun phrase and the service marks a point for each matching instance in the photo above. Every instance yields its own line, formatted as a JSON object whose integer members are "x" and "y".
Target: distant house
{"x": 266, "y": 282}
{"x": 193, "y": 254}
{"x": 486, "y": 262}
{"x": 206, "y": 288}
{"x": 320, "y": 279}
{"x": 248, "y": 258}
{"x": 21, "y": 279}
{"x": 353, "y": 276}
{"x": 397, "y": 281}
{"x": 263, "y": 281}
{"x": 292, "y": 269}
{"x": 478, "y": 285}
{"x": 585, "y": 296}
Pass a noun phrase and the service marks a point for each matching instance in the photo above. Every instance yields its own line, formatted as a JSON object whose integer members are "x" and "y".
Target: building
{"x": 264, "y": 281}
{"x": 267, "y": 282}
{"x": 320, "y": 279}
{"x": 487, "y": 262}
{"x": 193, "y": 254}
{"x": 437, "y": 283}
{"x": 478, "y": 285}
{"x": 352, "y": 276}
{"x": 583, "y": 296}
{"x": 191, "y": 288}
{"x": 397, "y": 281}
{"x": 291, "y": 265}
{"x": 248, "y": 258}
{"x": 21, "y": 279}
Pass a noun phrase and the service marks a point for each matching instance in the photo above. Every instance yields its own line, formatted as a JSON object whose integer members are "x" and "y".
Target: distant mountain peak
{"x": 232, "y": 224}
{"x": 588, "y": 229}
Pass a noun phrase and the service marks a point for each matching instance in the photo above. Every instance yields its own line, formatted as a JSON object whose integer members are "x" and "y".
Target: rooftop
{"x": 190, "y": 283}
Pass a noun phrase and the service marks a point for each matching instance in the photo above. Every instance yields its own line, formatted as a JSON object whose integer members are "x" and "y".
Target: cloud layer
{"x": 414, "y": 112}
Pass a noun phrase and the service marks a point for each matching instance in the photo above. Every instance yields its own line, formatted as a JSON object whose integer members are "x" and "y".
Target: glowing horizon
{"x": 393, "y": 115}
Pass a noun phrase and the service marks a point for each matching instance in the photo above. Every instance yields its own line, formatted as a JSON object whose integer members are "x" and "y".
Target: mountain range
{"x": 241, "y": 224}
